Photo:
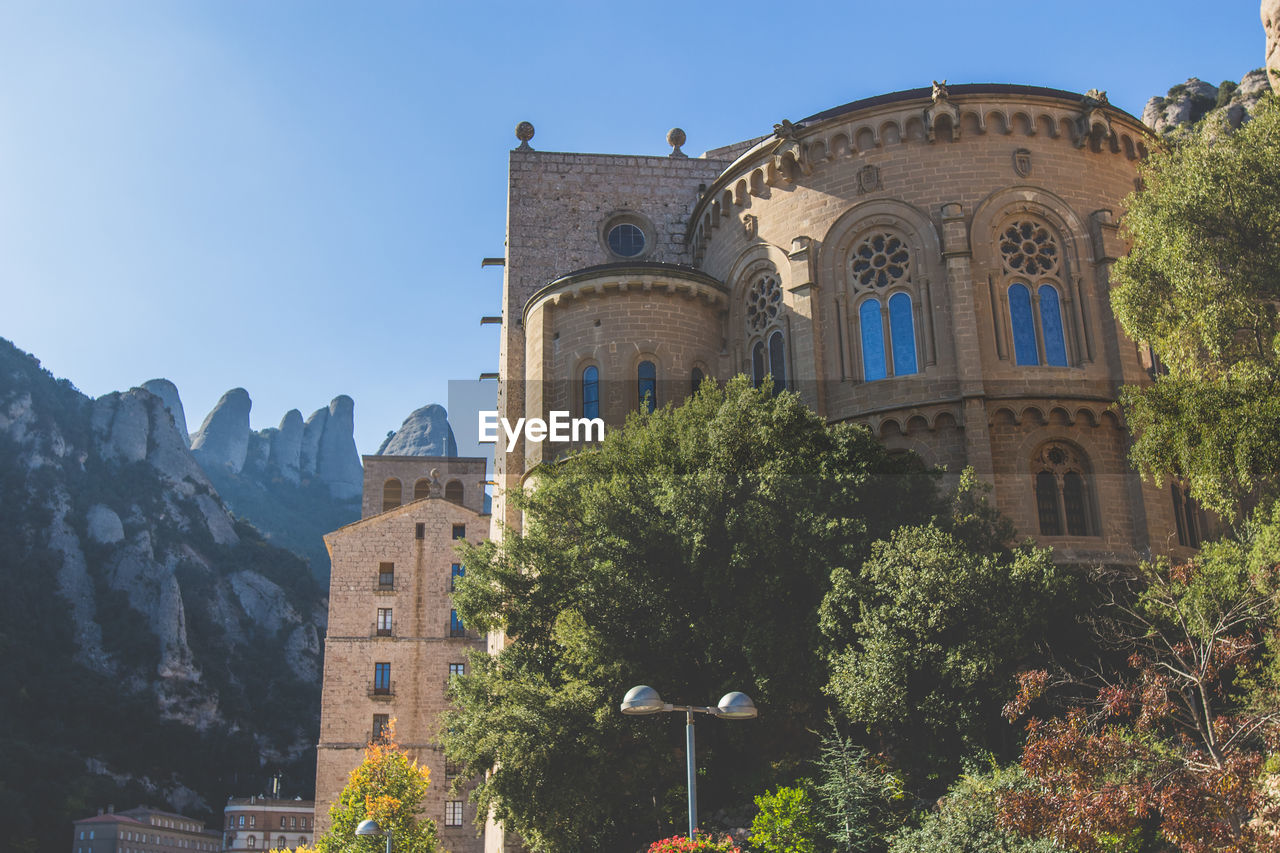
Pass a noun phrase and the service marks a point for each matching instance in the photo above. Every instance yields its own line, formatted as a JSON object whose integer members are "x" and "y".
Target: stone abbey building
{"x": 933, "y": 263}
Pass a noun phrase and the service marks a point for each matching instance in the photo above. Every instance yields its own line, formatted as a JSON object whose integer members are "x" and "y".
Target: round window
{"x": 626, "y": 240}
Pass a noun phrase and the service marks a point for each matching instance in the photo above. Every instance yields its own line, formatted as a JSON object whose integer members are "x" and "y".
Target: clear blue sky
{"x": 294, "y": 196}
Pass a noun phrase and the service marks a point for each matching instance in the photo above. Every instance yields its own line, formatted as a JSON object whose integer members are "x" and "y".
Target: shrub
{"x": 680, "y": 844}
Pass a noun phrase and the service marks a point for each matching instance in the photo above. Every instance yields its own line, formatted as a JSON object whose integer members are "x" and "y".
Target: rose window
{"x": 763, "y": 302}
{"x": 1029, "y": 248}
{"x": 880, "y": 261}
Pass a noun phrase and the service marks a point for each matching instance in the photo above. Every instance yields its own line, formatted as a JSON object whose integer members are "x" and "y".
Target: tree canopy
{"x": 1200, "y": 285}
{"x": 387, "y": 786}
{"x": 689, "y": 551}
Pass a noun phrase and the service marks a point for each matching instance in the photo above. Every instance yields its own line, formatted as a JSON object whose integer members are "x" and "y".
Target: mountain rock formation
{"x": 152, "y": 646}
{"x": 1271, "y": 23}
{"x": 426, "y": 432}
{"x": 1189, "y": 102}
{"x": 168, "y": 393}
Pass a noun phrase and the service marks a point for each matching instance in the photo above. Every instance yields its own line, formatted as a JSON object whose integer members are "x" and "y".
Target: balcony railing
{"x": 379, "y": 631}
{"x": 384, "y": 690}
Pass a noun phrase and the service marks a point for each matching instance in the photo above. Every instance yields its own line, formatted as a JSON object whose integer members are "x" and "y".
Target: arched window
{"x": 453, "y": 491}
{"x": 880, "y": 269}
{"x": 390, "y": 494}
{"x": 1034, "y": 270}
{"x": 874, "y": 364}
{"x": 757, "y": 364}
{"x": 421, "y": 489}
{"x": 695, "y": 378}
{"x": 591, "y": 392}
{"x": 777, "y": 362}
{"x": 1064, "y": 500}
{"x": 253, "y": 842}
{"x": 1186, "y": 516}
{"x": 647, "y": 386}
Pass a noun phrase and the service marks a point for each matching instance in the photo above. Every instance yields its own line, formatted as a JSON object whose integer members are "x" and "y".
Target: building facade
{"x": 268, "y": 823}
{"x": 933, "y": 263}
{"x": 142, "y": 830}
{"x": 394, "y": 639}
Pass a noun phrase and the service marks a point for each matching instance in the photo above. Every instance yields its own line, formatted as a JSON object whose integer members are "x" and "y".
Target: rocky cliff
{"x": 426, "y": 432}
{"x": 295, "y": 482}
{"x": 152, "y": 646}
{"x": 1189, "y": 102}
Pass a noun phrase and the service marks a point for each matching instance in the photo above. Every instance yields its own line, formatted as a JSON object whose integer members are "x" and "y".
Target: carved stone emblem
{"x": 868, "y": 179}
{"x": 1022, "y": 162}
{"x": 749, "y": 225}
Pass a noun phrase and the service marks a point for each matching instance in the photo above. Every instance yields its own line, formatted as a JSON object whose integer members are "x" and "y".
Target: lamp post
{"x": 643, "y": 700}
{"x": 370, "y": 827}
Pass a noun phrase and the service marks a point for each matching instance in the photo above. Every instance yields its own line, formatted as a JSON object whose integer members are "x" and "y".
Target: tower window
{"x": 1033, "y": 263}
{"x": 391, "y": 494}
{"x": 421, "y": 489}
{"x": 591, "y": 392}
{"x": 777, "y": 362}
{"x": 453, "y": 491}
{"x": 386, "y": 575}
{"x": 382, "y": 678}
{"x": 384, "y": 622}
{"x": 459, "y": 531}
{"x": 647, "y": 386}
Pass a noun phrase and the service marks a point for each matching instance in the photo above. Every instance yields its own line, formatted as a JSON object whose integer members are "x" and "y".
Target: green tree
{"x": 942, "y": 633}
{"x": 388, "y": 787}
{"x": 785, "y": 822}
{"x": 967, "y": 820}
{"x": 690, "y": 552}
{"x": 1200, "y": 285}
{"x": 859, "y": 799}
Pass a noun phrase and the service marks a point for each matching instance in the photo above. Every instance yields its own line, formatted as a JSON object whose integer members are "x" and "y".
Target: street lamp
{"x": 732, "y": 706}
{"x": 370, "y": 827}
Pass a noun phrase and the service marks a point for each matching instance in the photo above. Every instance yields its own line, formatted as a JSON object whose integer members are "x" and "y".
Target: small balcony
{"x": 376, "y": 630}
{"x": 382, "y": 691}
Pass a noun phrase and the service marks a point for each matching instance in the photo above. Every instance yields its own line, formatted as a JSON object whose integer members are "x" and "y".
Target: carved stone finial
{"x": 940, "y": 91}
{"x": 676, "y": 138}
{"x": 1097, "y": 96}
{"x": 786, "y": 130}
{"x": 524, "y": 132}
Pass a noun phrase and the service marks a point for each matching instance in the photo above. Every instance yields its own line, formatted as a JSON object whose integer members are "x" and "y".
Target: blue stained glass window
{"x": 777, "y": 363}
{"x": 873, "y": 357}
{"x": 591, "y": 392}
{"x": 647, "y": 383}
{"x": 1024, "y": 325}
{"x": 902, "y": 333}
{"x": 1055, "y": 347}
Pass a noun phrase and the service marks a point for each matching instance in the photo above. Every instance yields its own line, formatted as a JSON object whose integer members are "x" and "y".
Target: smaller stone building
{"x": 142, "y": 830}
{"x": 394, "y": 638}
{"x": 265, "y": 823}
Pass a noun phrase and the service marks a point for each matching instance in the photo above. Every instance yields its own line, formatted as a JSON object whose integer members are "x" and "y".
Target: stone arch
{"x": 944, "y": 420}
{"x": 816, "y": 151}
{"x": 1023, "y": 123}
{"x": 1060, "y": 415}
{"x": 1039, "y": 418}
{"x": 754, "y": 262}
{"x": 1089, "y": 416}
{"x": 1111, "y": 419}
{"x": 391, "y": 494}
{"x": 757, "y": 182}
{"x": 840, "y": 146}
{"x": 1046, "y": 125}
{"x": 917, "y": 423}
{"x": 890, "y": 133}
{"x": 997, "y": 122}
{"x": 913, "y": 130}
{"x": 971, "y": 124}
{"x": 889, "y": 427}
{"x": 944, "y": 129}
{"x": 453, "y": 491}
{"x": 899, "y": 443}
{"x": 1080, "y": 460}
{"x": 1005, "y": 416}
{"x": 740, "y": 193}
{"x": 865, "y": 139}
{"x": 1126, "y": 142}
{"x": 421, "y": 488}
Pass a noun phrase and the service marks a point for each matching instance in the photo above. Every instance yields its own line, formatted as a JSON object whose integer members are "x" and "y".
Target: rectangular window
{"x": 384, "y": 622}
{"x": 380, "y": 722}
{"x": 451, "y": 769}
{"x": 457, "y": 669}
{"x": 386, "y": 575}
{"x": 293, "y": 823}
{"x": 382, "y": 678}
{"x": 253, "y": 820}
{"x": 457, "y": 572}
{"x": 453, "y": 813}
{"x": 459, "y": 531}
{"x": 455, "y": 625}
{"x": 282, "y": 821}
{"x": 384, "y": 724}
{"x": 420, "y": 531}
